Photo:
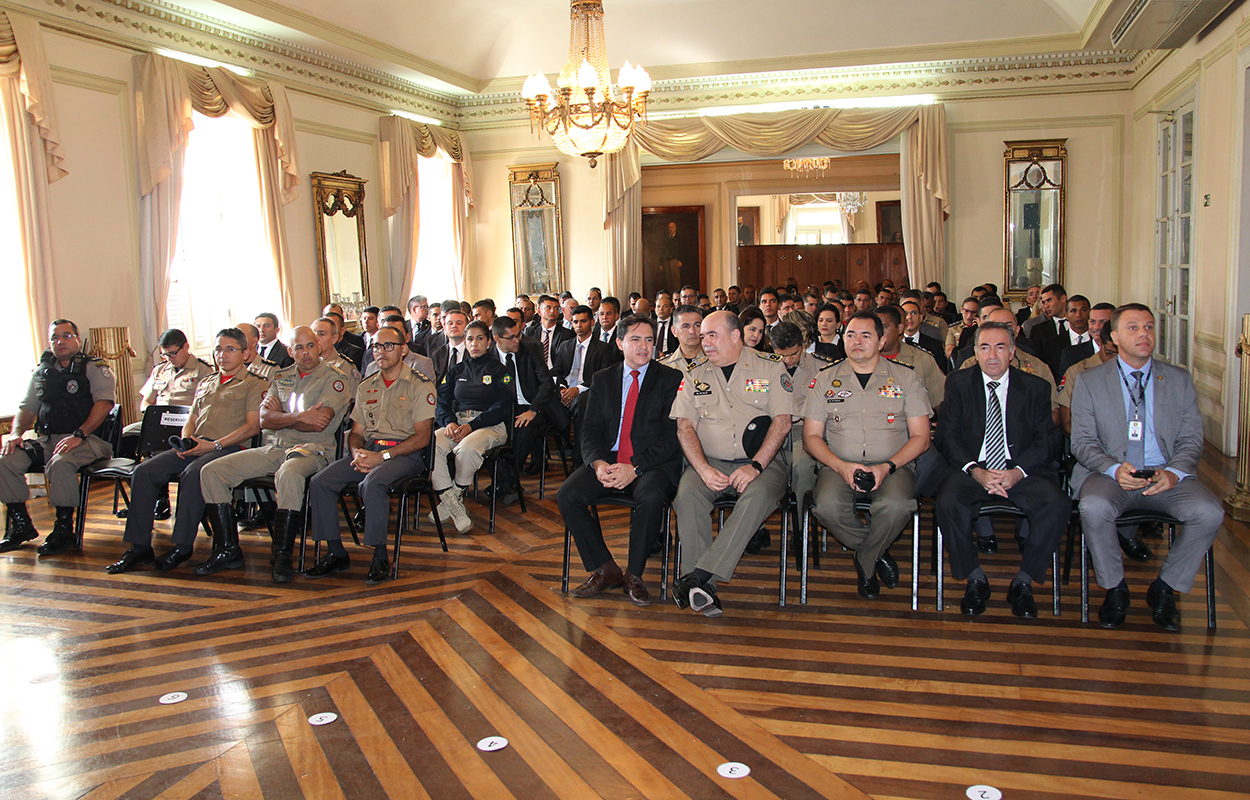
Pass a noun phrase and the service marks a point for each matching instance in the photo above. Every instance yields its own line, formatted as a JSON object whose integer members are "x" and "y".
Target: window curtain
{"x": 168, "y": 91}
{"x": 38, "y": 160}
{"x": 402, "y": 141}
{"x": 623, "y": 220}
{"x": 925, "y": 183}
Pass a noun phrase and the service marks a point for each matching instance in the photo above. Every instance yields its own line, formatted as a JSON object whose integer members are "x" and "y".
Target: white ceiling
{"x": 463, "y": 45}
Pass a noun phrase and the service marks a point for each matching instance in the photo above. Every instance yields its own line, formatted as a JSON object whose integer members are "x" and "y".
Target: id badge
{"x": 1135, "y": 428}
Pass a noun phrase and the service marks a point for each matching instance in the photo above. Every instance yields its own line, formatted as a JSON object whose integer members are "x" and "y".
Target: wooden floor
{"x": 839, "y": 698}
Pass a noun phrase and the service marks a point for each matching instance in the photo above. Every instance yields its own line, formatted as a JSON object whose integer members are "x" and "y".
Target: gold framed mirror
{"x": 537, "y": 235}
{"x": 339, "y": 219}
{"x": 1034, "y": 206}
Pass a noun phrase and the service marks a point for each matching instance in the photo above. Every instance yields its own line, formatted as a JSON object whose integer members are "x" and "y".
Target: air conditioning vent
{"x": 1164, "y": 24}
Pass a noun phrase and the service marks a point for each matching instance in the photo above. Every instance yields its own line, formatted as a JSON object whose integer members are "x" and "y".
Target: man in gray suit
{"x": 1141, "y": 452}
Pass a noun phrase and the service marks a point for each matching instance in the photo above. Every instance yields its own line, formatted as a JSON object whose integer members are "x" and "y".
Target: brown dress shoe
{"x": 609, "y": 576}
{"x": 635, "y": 591}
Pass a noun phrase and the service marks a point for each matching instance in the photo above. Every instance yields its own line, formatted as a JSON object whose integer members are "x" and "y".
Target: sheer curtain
{"x": 623, "y": 219}
{"x": 37, "y": 161}
{"x": 401, "y": 142}
{"x": 168, "y": 91}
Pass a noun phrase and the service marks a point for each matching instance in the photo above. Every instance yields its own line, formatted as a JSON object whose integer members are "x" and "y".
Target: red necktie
{"x": 625, "y": 453}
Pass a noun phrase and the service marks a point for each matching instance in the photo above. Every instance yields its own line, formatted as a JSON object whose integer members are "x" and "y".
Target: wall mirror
{"x": 537, "y": 235}
{"x": 339, "y": 219}
{"x": 1036, "y": 173}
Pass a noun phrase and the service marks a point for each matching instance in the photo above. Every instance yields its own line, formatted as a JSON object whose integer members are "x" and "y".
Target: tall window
{"x": 1174, "y": 236}
{"x": 16, "y": 360}
{"x": 818, "y": 223}
{"x": 436, "y": 242}
{"x": 223, "y": 270}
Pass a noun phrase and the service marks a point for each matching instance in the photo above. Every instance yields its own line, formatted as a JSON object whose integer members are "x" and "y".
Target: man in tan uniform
{"x": 688, "y": 328}
{"x": 300, "y": 416}
{"x": 900, "y": 352}
{"x": 866, "y": 419}
{"x": 392, "y": 423}
{"x": 1107, "y": 352}
{"x": 727, "y": 400}
{"x": 969, "y": 310}
{"x": 803, "y": 367}
{"x": 328, "y": 334}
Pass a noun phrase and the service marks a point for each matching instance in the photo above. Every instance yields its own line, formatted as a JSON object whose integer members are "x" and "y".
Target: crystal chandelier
{"x": 806, "y": 167}
{"x": 851, "y": 202}
{"x": 586, "y": 115}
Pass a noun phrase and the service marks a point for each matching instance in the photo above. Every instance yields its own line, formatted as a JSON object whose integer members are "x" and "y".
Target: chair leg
{"x": 494, "y": 492}
{"x": 804, "y": 548}
{"x": 84, "y": 489}
{"x": 785, "y": 556}
{"x": 432, "y": 496}
{"x": 1054, "y": 579}
{"x": 1084, "y": 579}
{"x": 937, "y": 563}
{"x": 915, "y": 559}
{"x": 667, "y": 531}
{"x": 1067, "y": 556}
{"x": 401, "y": 521}
{"x": 1211, "y": 588}
{"x": 568, "y": 547}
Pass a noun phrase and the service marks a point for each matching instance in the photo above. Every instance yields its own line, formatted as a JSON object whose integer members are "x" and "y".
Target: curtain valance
{"x": 21, "y": 54}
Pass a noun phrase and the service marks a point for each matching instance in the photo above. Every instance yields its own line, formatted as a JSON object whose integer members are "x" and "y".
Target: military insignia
{"x": 889, "y": 418}
{"x": 757, "y": 384}
{"x": 769, "y": 356}
{"x": 422, "y": 375}
{"x": 1159, "y": 378}
{"x": 786, "y": 383}
{"x": 681, "y": 385}
{"x": 1028, "y": 367}
{"x": 844, "y": 393}
{"x": 821, "y": 357}
{"x": 506, "y": 379}
{"x": 701, "y": 389}
{"x": 889, "y": 381}
{"x": 105, "y": 371}
{"x": 486, "y": 380}
{"x": 371, "y": 401}
{"x": 893, "y": 392}
{"x": 338, "y": 386}
{"x": 837, "y": 419}
{"x": 831, "y": 393}
{"x": 71, "y": 387}
{"x": 429, "y": 398}
{"x": 698, "y": 362}
{"x": 837, "y": 383}
{"x": 812, "y": 385}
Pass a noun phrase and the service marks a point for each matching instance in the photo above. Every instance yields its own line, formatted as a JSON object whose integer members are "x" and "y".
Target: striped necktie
{"x": 995, "y": 436}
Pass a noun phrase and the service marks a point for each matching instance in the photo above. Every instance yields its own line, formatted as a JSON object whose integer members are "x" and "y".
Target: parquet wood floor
{"x": 838, "y": 698}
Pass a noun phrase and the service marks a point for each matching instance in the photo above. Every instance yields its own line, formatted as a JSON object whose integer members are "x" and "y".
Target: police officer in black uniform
{"x": 70, "y": 394}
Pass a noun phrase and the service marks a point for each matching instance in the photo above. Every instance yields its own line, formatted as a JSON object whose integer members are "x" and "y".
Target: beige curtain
{"x": 37, "y": 158}
{"x": 168, "y": 91}
{"x": 401, "y": 142}
{"x": 623, "y": 220}
{"x": 925, "y": 192}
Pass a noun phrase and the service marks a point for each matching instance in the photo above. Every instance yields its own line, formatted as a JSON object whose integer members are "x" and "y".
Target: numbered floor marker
{"x": 172, "y": 697}
{"x": 48, "y": 678}
{"x": 492, "y": 743}
{"x": 981, "y": 792}
{"x": 324, "y": 718}
{"x": 733, "y": 769}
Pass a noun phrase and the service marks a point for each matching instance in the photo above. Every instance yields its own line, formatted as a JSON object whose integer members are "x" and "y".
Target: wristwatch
{"x": 386, "y": 455}
{"x": 892, "y": 467}
{"x": 757, "y": 466}
{"x": 217, "y": 446}
{"x": 79, "y": 434}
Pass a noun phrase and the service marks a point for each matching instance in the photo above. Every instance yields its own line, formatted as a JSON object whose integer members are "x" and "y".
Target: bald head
{"x": 304, "y": 348}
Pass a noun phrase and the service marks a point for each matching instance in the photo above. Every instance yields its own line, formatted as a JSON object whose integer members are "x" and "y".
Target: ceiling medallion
{"x": 586, "y": 115}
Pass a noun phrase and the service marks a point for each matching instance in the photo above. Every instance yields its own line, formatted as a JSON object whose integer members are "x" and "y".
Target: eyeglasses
{"x": 221, "y": 350}
{"x": 170, "y": 355}
{"x": 379, "y": 347}
{"x": 510, "y": 337}
{"x": 62, "y": 337}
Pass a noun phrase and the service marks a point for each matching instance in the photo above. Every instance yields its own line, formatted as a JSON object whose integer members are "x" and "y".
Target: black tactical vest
{"x": 64, "y": 395}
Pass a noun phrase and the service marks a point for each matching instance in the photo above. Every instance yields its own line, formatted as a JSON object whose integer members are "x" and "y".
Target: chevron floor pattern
{"x": 836, "y": 698}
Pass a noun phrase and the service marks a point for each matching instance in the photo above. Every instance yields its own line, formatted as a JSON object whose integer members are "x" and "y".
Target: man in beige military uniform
{"x": 300, "y": 416}
{"x": 788, "y": 343}
{"x": 969, "y": 310}
{"x": 900, "y": 352}
{"x": 327, "y": 331}
{"x": 1107, "y": 351}
{"x": 392, "y": 423}
{"x": 1025, "y": 362}
{"x": 718, "y": 410}
{"x": 866, "y": 416}
{"x": 688, "y": 328}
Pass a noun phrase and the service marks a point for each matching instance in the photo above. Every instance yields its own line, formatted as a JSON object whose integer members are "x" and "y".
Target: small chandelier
{"x": 806, "y": 167}
{"x": 851, "y": 202}
{"x": 586, "y": 116}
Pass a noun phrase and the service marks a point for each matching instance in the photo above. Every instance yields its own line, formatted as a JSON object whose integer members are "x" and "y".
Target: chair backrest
{"x": 159, "y": 423}
{"x": 340, "y": 441}
{"x": 110, "y": 429}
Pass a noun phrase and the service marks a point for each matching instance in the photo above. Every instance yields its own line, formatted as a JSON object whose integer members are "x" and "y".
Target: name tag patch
{"x": 702, "y": 389}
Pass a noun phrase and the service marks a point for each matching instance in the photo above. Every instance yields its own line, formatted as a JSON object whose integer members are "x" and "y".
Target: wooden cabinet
{"x": 772, "y": 264}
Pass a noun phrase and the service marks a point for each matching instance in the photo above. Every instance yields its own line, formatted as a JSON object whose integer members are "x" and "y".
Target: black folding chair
{"x": 618, "y": 497}
{"x": 863, "y": 506}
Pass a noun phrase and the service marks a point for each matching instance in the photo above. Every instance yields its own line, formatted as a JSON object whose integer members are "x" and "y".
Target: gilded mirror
{"x": 537, "y": 237}
{"x": 1034, "y": 209}
{"x": 339, "y": 219}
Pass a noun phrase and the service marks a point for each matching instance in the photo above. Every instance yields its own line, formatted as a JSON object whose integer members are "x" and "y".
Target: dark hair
{"x": 478, "y": 325}
{"x": 995, "y": 326}
{"x": 517, "y": 310}
{"x": 663, "y": 292}
{"x": 990, "y": 300}
{"x": 331, "y": 320}
{"x": 393, "y": 318}
{"x": 1078, "y": 298}
{"x": 365, "y": 310}
{"x": 893, "y": 312}
{"x": 992, "y": 288}
{"x": 785, "y": 335}
{"x": 687, "y": 309}
{"x": 701, "y": 296}
{"x": 173, "y": 338}
{"x": 396, "y": 309}
{"x": 632, "y": 297}
{"x": 940, "y": 294}
{"x": 485, "y": 302}
{"x": 546, "y": 298}
{"x": 749, "y": 314}
{"x": 823, "y": 307}
{"x": 502, "y": 325}
{"x": 399, "y": 333}
{"x": 1103, "y": 307}
{"x": 452, "y": 307}
{"x": 269, "y": 315}
{"x": 736, "y": 286}
{"x": 1055, "y": 288}
{"x": 1104, "y": 335}
{"x": 566, "y": 295}
{"x": 1115, "y": 315}
{"x": 338, "y": 317}
{"x": 768, "y": 290}
{"x": 582, "y": 309}
{"x": 932, "y": 284}
{"x": 56, "y": 322}
{"x": 688, "y": 286}
{"x": 234, "y": 334}
{"x": 871, "y": 317}
{"x": 868, "y": 292}
{"x": 629, "y": 321}
{"x": 595, "y": 289}
{"x": 611, "y": 301}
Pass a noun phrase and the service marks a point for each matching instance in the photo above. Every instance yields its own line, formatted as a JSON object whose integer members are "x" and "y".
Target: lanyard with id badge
{"x": 1136, "y": 427}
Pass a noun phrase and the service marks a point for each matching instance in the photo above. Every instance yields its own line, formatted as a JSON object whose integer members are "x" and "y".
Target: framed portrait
{"x": 889, "y": 222}
{"x": 748, "y": 225}
{"x": 673, "y": 248}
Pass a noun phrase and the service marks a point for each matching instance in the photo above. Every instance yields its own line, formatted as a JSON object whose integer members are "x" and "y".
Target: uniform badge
{"x": 71, "y": 387}
{"x": 486, "y": 380}
{"x": 832, "y": 397}
{"x": 844, "y": 393}
{"x": 105, "y": 371}
{"x": 429, "y": 398}
{"x": 894, "y": 392}
{"x": 701, "y": 389}
{"x": 786, "y": 383}
{"x": 1028, "y": 367}
{"x": 682, "y": 385}
{"x": 338, "y": 386}
{"x": 837, "y": 383}
{"x": 757, "y": 384}
{"x": 506, "y": 379}
{"x": 889, "y": 418}
{"x": 812, "y": 385}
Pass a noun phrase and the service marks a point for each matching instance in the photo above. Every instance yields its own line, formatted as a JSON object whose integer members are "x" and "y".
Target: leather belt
{"x": 386, "y": 442}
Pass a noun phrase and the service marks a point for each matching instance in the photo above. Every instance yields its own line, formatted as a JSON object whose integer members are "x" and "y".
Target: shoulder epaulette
{"x": 202, "y": 361}
{"x": 829, "y": 366}
{"x": 768, "y": 356}
{"x": 334, "y": 367}
{"x": 901, "y": 364}
{"x": 821, "y": 357}
{"x": 420, "y": 375}
{"x": 698, "y": 362}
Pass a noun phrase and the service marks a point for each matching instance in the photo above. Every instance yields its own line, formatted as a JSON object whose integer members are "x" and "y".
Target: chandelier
{"x": 806, "y": 167}
{"x": 851, "y": 202}
{"x": 586, "y": 115}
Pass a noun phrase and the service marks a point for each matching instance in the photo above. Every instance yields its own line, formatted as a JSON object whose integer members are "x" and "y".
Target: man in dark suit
{"x": 629, "y": 443}
{"x": 446, "y": 347}
{"x": 997, "y": 432}
{"x": 1089, "y": 344}
{"x": 666, "y": 340}
{"x": 1052, "y": 323}
{"x": 577, "y": 360}
{"x": 418, "y": 317}
{"x": 1137, "y": 437}
{"x": 536, "y": 405}
{"x": 268, "y": 345}
{"x": 546, "y": 328}
{"x": 913, "y": 315}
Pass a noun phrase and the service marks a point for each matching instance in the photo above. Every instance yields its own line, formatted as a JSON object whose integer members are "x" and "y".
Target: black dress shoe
{"x": 1114, "y": 608}
{"x": 869, "y": 587}
{"x": 974, "y": 598}
{"x": 1162, "y": 602}
{"x": 1135, "y": 548}
{"x": 1020, "y": 595}
{"x": 17, "y": 535}
{"x": 231, "y": 558}
{"x": 704, "y": 600}
{"x": 987, "y": 544}
{"x": 134, "y": 557}
{"x": 172, "y": 558}
{"x": 887, "y": 570}
{"x": 162, "y": 510}
{"x": 759, "y": 540}
{"x": 328, "y": 565}
{"x": 509, "y": 497}
{"x": 681, "y": 590}
{"x": 379, "y": 571}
